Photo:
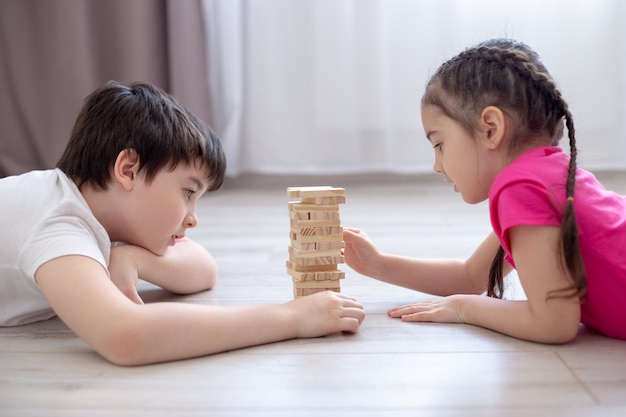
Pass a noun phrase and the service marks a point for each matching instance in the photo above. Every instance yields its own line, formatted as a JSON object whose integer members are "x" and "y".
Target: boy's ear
{"x": 126, "y": 168}
{"x": 492, "y": 126}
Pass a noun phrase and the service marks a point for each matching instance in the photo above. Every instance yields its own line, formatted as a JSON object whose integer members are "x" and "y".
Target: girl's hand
{"x": 123, "y": 271}
{"x": 440, "y": 310}
{"x": 325, "y": 313}
{"x": 360, "y": 253}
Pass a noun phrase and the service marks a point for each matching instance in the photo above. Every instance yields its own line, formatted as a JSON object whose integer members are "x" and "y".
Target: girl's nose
{"x": 437, "y": 167}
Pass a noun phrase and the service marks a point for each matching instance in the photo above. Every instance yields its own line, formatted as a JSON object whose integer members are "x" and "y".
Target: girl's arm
{"x": 185, "y": 268}
{"x": 540, "y": 269}
{"x": 126, "y": 333}
{"x": 432, "y": 276}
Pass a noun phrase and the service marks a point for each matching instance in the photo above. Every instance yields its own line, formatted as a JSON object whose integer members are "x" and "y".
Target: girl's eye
{"x": 189, "y": 193}
{"x": 438, "y": 146}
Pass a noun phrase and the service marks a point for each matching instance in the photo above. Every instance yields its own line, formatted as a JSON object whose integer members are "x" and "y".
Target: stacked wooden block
{"x": 316, "y": 239}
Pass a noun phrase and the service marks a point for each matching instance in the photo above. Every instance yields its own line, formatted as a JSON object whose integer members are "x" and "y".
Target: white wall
{"x": 333, "y": 86}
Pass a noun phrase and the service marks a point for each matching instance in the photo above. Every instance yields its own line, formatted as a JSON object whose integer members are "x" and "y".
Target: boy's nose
{"x": 191, "y": 220}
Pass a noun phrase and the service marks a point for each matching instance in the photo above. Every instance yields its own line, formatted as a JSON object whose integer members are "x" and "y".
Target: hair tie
{"x": 570, "y": 199}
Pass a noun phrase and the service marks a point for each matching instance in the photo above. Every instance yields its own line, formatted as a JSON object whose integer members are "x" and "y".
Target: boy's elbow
{"x": 211, "y": 274}
{"x": 197, "y": 268}
{"x": 201, "y": 276}
{"x": 121, "y": 345}
{"x": 206, "y": 275}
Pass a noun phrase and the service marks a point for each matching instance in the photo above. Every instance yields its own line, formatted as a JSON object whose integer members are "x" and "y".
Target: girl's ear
{"x": 492, "y": 127}
{"x": 126, "y": 168}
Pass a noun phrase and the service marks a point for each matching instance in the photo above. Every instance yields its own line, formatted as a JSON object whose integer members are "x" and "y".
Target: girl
{"x": 494, "y": 117}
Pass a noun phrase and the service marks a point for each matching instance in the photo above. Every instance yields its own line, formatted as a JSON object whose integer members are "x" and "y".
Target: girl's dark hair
{"x": 509, "y": 75}
{"x": 146, "y": 119}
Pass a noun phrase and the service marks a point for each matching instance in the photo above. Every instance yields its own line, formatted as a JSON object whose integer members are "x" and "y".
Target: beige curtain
{"x": 54, "y": 53}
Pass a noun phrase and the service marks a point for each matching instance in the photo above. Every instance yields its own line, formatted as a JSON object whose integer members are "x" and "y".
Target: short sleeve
{"x": 523, "y": 202}
{"x": 61, "y": 236}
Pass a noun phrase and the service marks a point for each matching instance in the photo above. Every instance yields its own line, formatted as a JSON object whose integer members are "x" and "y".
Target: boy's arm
{"x": 81, "y": 293}
{"x": 185, "y": 268}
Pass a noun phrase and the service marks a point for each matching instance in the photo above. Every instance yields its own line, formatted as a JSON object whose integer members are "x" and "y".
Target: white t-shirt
{"x": 42, "y": 216}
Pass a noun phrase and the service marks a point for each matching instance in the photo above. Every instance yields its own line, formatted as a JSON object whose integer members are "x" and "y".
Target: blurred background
{"x": 297, "y": 87}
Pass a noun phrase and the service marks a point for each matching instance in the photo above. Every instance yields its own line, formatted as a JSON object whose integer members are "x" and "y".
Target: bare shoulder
{"x": 75, "y": 284}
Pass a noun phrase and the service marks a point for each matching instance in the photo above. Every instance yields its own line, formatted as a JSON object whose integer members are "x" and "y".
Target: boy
{"x": 134, "y": 168}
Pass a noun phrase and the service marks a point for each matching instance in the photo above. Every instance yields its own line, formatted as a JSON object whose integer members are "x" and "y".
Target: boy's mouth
{"x": 174, "y": 237}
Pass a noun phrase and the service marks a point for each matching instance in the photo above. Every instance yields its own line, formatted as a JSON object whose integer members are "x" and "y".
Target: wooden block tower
{"x": 316, "y": 239}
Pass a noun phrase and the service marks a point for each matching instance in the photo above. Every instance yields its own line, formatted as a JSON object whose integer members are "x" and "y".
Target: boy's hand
{"x": 325, "y": 313}
{"x": 124, "y": 272}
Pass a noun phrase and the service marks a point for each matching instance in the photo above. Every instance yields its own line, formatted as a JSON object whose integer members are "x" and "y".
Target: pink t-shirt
{"x": 531, "y": 191}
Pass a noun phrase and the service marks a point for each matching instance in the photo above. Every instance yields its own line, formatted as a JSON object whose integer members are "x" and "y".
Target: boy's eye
{"x": 190, "y": 193}
{"x": 437, "y": 146}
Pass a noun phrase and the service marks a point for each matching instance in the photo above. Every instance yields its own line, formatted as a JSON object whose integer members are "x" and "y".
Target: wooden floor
{"x": 388, "y": 368}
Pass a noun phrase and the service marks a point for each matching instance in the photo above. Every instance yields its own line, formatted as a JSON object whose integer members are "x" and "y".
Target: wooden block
{"x": 302, "y": 289}
{"x": 303, "y": 253}
{"x": 324, "y": 200}
{"x": 303, "y": 292}
{"x": 300, "y": 224}
{"x": 318, "y": 195}
{"x": 317, "y": 245}
{"x": 310, "y": 268}
{"x": 316, "y": 238}
{"x": 317, "y": 284}
{"x": 312, "y": 257}
{"x": 318, "y": 230}
{"x": 317, "y": 191}
{"x": 298, "y": 206}
{"x": 314, "y": 215}
{"x": 300, "y": 215}
{"x": 299, "y": 276}
{"x": 318, "y": 260}
{"x": 324, "y": 215}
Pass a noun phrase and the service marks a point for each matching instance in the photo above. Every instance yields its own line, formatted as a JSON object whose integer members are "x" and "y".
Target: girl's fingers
{"x": 440, "y": 311}
{"x": 409, "y": 309}
{"x": 399, "y": 311}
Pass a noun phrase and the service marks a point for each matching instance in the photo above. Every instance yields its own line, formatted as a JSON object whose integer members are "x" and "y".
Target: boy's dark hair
{"x": 509, "y": 75}
{"x": 142, "y": 117}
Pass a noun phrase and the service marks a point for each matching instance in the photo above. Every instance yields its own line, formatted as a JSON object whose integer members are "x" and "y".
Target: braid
{"x": 495, "y": 287}
{"x": 570, "y": 247}
{"x": 510, "y": 75}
